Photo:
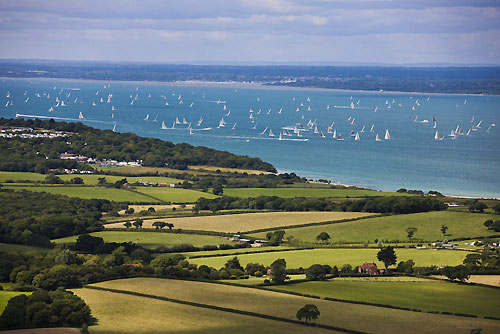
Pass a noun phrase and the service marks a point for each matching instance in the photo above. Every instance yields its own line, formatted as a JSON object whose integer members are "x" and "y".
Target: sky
{"x": 253, "y": 31}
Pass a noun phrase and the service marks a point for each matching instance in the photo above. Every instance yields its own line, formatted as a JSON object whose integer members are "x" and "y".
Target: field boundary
{"x": 224, "y": 309}
{"x": 329, "y": 222}
{"x": 138, "y": 192}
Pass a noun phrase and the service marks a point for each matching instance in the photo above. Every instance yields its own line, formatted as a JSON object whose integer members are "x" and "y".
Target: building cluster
{"x": 256, "y": 243}
{"x": 153, "y": 184}
{"x": 105, "y": 163}
{"x": 29, "y": 133}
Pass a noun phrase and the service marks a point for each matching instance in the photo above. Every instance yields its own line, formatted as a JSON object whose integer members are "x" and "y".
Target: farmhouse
{"x": 368, "y": 268}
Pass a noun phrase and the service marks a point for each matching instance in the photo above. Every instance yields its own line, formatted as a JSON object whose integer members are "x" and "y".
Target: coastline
{"x": 242, "y": 85}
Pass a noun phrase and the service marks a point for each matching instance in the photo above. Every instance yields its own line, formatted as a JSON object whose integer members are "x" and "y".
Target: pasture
{"x": 6, "y": 295}
{"x": 152, "y": 239}
{"x": 290, "y": 192}
{"x": 112, "y": 194}
{"x": 14, "y": 248}
{"x": 251, "y": 221}
{"x": 493, "y": 280}
{"x": 460, "y": 225}
{"x": 127, "y": 314}
{"x": 422, "y": 294}
{"x": 174, "y": 195}
{"x": 340, "y": 256}
{"x": 357, "y": 317}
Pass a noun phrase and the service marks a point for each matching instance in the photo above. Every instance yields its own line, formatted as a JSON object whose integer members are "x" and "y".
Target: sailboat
{"x": 377, "y": 138}
{"x": 280, "y": 138}
{"x": 93, "y": 104}
{"x": 297, "y": 110}
{"x": 184, "y": 120}
{"x": 376, "y": 108}
{"x": 177, "y": 121}
{"x": 339, "y": 137}
{"x": 387, "y": 135}
{"x": 352, "y": 122}
{"x": 200, "y": 121}
{"x": 327, "y": 106}
{"x": 316, "y": 129}
{"x": 281, "y": 109}
{"x": 468, "y": 133}
{"x": 191, "y": 132}
{"x": 309, "y": 108}
{"x": 163, "y": 126}
{"x": 166, "y": 103}
{"x": 264, "y": 131}
{"x": 80, "y": 116}
{"x": 234, "y": 126}
{"x": 113, "y": 108}
{"x": 271, "y": 134}
{"x": 322, "y": 135}
{"x": 357, "y": 137}
{"x": 436, "y": 136}
{"x": 477, "y": 126}
{"x": 308, "y": 99}
{"x": 371, "y": 129}
{"x": 416, "y": 119}
{"x": 452, "y": 134}
{"x": 191, "y": 105}
{"x": 147, "y": 117}
{"x": 363, "y": 129}
{"x": 156, "y": 118}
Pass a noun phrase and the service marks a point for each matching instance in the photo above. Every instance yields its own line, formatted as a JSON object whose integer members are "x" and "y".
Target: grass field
{"x": 339, "y": 257}
{"x": 88, "y": 179}
{"x": 460, "y": 225}
{"x": 239, "y": 251}
{"x": 252, "y": 221}
{"x": 13, "y": 248}
{"x": 111, "y": 194}
{"x": 152, "y": 239}
{"x": 6, "y": 295}
{"x": 127, "y": 314}
{"x": 228, "y": 170}
{"x": 358, "y": 317}
{"x": 174, "y": 195}
{"x": 493, "y": 280}
{"x": 422, "y": 294}
{"x": 304, "y": 192}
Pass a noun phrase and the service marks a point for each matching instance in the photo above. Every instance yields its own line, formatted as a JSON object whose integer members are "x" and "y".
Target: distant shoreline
{"x": 242, "y": 85}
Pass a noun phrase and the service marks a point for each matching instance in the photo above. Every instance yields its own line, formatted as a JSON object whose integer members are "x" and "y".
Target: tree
{"x": 275, "y": 238}
{"x": 159, "y": 225}
{"x": 138, "y": 223}
{"x": 444, "y": 228}
{"x": 308, "y": 312}
{"x": 101, "y": 181}
{"x": 278, "y": 271}
{"x": 127, "y": 224}
{"x": 317, "y": 271}
{"x": 496, "y": 207}
{"x": 323, "y": 236}
{"x": 218, "y": 190}
{"x": 459, "y": 272}
{"x": 233, "y": 263}
{"x": 411, "y": 231}
{"x": 387, "y": 256}
{"x": 478, "y": 207}
{"x": 169, "y": 225}
{"x": 151, "y": 209}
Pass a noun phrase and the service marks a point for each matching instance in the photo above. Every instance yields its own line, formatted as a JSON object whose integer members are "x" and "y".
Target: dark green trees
{"x": 308, "y": 312}
{"x": 387, "y": 256}
{"x": 278, "y": 271}
{"x": 323, "y": 236}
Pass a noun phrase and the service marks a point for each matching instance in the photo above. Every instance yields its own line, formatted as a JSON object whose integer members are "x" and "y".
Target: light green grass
{"x": 358, "y": 317}
{"x": 13, "y": 248}
{"x": 127, "y": 314}
{"x": 427, "y": 295}
{"x": 304, "y": 192}
{"x": 174, "y": 195}
{"x": 152, "y": 239}
{"x": 6, "y": 295}
{"x": 252, "y": 221}
{"x": 460, "y": 225}
{"x": 239, "y": 251}
{"x": 88, "y": 179}
{"x": 112, "y": 194}
{"x": 339, "y": 257}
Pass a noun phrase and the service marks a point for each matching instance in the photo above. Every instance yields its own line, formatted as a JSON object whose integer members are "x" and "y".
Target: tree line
{"x": 41, "y": 154}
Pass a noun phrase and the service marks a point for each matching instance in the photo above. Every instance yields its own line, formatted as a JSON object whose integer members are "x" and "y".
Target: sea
{"x": 463, "y": 159}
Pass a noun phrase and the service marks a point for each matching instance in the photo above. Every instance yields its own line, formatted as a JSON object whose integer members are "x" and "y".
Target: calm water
{"x": 412, "y": 158}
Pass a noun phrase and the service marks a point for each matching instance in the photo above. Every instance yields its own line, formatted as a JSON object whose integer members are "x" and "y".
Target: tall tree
{"x": 387, "y": 256}
{"x": 308, "y": 312}
{"x": 323, "y": 236}
{"x": 278, "y": 271}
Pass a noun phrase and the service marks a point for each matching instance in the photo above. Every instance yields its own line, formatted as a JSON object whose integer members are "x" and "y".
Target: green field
{"x": 6, "y": 295}
{"x": 422, "y": 294}
{"x": 305, "y": 192}
{"x": 88, "y": 179}
{"x": 152, "y": 239}
{"x": 460, "y": 225}
{"x": 174, "y": 195}
{"x": 127, "y": 314}
{"x": 251, "y": 221}
{"x": 239, "y": 251}
{"x": 13, "y": 248}
{"x": 357, "y": 317}
{"x": 112, "y": 194}
{"x": 340, "y": 256}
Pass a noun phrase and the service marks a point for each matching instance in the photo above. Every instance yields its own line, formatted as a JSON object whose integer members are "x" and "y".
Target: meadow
{"x": 460, "y": 225}
{"x": 6, "y": 295}
{"x": 127, "y": 314}
{"x": 340, "y": 256}
{"x": 112, "y": 194}
{"x": 152, "y": 239}
{"x": 422, "y": 294}
{"x": 251, "y": 221}
{"x": 290, "y": 192}
{"x": 88, "y": 179}
{"x": 351, "y": 316}
{"x": 493, "y": 280}
{"x": 174, "y": 195}
{"x": 13, "y": 248}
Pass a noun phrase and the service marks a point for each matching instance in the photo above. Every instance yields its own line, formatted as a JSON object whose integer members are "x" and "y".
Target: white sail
{"x": 80, "y": 116}
{"x": 363, "y": 129}
{"x": 322, "y": 135}
{"x": 371, "y": 129}
{"x": 234, "y": 126}
{"x": 281, "y": 109}
{"x": 356, "y": 137}
{"x": 387, "y": 135}
{"x": 271, "y": 134}
{"x": 280, "y": 138}
{"x": 334, "y": 133}
{"x": 114, "y": 127}
{"x": 184, "y": 121}
{"x": 51, "y": 109}
{"x": 436, "y": 136}
{"x": 264, "y": 131}
{"x": 147, "y": 117}
{"x": 163, "y": 126}
{"x": 377, "y": 138}
{"x": 177, "y": 121}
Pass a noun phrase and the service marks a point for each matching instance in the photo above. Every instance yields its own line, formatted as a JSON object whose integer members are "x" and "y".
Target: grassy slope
{"x": 111, "y": 194}
{"x": 152, "y": 239}
{"x": 123, "y": 314}
{"x": 460, "y": 224}
{"x": 174, "y": 195}
{"x": 252, "y": 221}
{"x": 339, "y": 257}
{"x": 358, "y": 317}
{"x": 493, "y": 280}
{"x": 12, "y": 248}
{"x": 427, "y": 295}
{"x": 89, "y": 179}
{"x": 304, "y": 192}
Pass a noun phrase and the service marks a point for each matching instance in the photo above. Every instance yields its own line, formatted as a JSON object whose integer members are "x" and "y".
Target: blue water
{"x": 467, "y": 165}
